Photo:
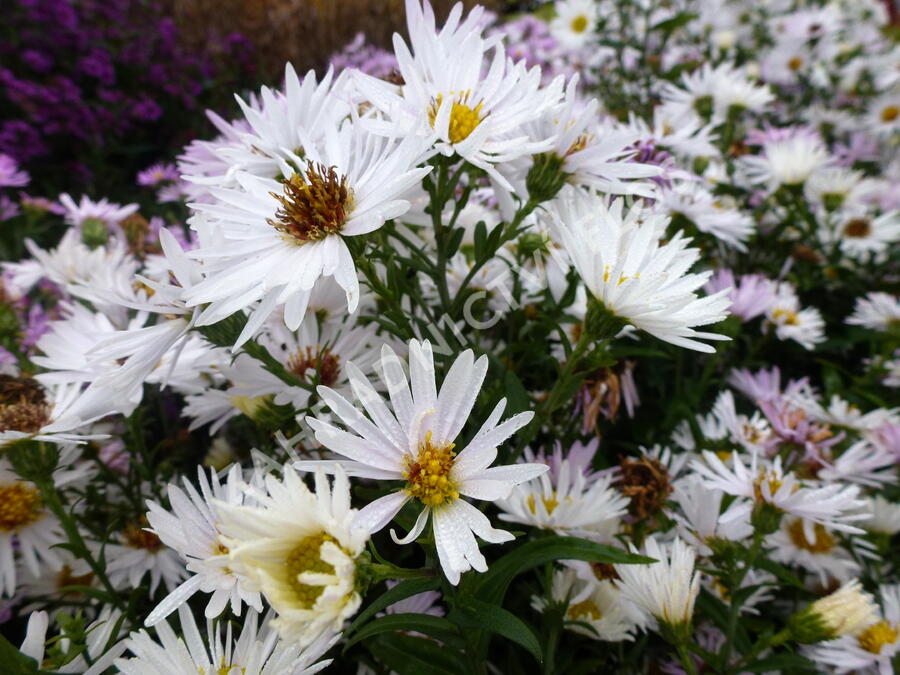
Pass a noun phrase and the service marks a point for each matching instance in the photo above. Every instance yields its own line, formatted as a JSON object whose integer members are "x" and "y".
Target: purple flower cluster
{"x": 93, "y": 71}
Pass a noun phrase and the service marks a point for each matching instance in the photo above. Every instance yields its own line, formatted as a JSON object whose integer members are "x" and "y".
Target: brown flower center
{"x": 23, "y": 405}
{"x": 579, "y": 23}
{"x": 20, "y": 505}
{"x": 137, "y": 537}
{"x": 646, "y": 483}
{"x": 323, "y": 361}
{"x": 858, "y": 228}
{"x": 315, "y": 204}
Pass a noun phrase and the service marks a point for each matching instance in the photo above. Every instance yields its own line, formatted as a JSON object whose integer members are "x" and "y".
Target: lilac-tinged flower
{"x": 158, "y": 173}
{"x": 763, "y": 385}
{"x": 751, "y": 295}
{"x": 10, "y": 174}
{"x": 8, "y": 208}
{"x": 106, "y": 212}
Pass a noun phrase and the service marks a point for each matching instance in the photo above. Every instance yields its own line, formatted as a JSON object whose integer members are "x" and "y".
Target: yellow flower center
{"x": 463, "y": 117}
{"x": 315, "y": 204}
{"x": 773, "y": 482}
{"x": 890, "y": 113}
{"x": 876, "y": 636}
{"x": 20, "y": 505}
{"x": 306, "y": 557}
{"x": 579, "y": 144}
{"x": 428, "y": 473}
{"x": 550, "y": 503}
{"x": 795, "y": 63}
{"x": 586, "y": 609}
{"x": 822, "y": 543}
{"x": 789, "y": 316}
{"x": 579, "y": 24}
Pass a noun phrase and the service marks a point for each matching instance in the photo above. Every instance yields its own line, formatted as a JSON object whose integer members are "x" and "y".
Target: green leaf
{"x": 491, "y": 586}
{"x": 780, "y": 571}
{"x": 495, "y": 619}
{"x": 676, "y": 22}
{"x": 453, "y": 242}
{"x": 15, "y": 662}
{"x": 409, "y": 655}
{"x": 401, "y": 591}
{"x": 480, "y": 240}
{"x": 785, "y": 662}
{"x": 435, "y": 626}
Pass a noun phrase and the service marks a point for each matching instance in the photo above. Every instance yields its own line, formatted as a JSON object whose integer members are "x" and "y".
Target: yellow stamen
{"x": 428, "y": 473}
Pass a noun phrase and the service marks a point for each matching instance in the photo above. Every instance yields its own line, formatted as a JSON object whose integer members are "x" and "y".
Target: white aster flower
{"x": 804, "y": 325}
{"x": 138, "y": 552}
{"x": 847, "y": 611}
{"x": 595, "y": 608}
{"x": 575, "y": 22}
{"x": 256, "y": 651}
{"x": 831, "y": 505}
{"x": 882, "y": 516}
{"x": 271, "y": 241}
{"x": 414, "y": 443}
{"x": 702, "y": 520}
{"x": 862, "y": 235}
{"x": 28, "y": 529}
{"x": 636, "y": 278}
{"x": 190, "y": 529}
{"x": 713, "y": 215}
{"x": 873, "y": 649}
{"x": 876, "y": 311}
{"x": 300, "y": 549}
{"x": 568, "y": 503}
{"x": 812, "y": 547}
{"x": 667, "y": 589}
{"x": 787, "y": 161}
{"x": 454, "y": 94}
{"x": 103, "y": 211}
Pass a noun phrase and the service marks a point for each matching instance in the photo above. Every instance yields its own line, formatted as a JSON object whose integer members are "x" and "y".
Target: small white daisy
{"x": 626, "y": 268}
{"x": 594, "y": 608}
{"x": 414, "y": 443}
{"x": 300, "y": 549}
{"x": 876, "y": 311}
{"x": 575, "y": 22}
{"x": 190, "y": 529}
{"x": 256, "y": 651}
{"x": 667, "y": 589}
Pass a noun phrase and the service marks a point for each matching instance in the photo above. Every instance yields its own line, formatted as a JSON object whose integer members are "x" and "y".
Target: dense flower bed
{"x": 559, "y": 342}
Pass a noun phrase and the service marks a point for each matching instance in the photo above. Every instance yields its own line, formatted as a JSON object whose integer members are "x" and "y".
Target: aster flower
{"x": 700, "y": 518}
{"x": 574, "y": 23}
{"x": 624, "y": 267}
{"x": 831, "y": 505}
{"x": 10, "y": 174}
{"x": 712, "y": 215}
{"x": 594, "y": 607}
{"x": 804, "y": 325}
{"x": 300, "y": 549}
{"x": 568, "y": 503}
{"x": 871, "y": 650}
{"x": 814, "y": 548}
{"x": 190, "y": 529}
{"x": 28, "y": 529}
{"x": 847, "y": 611}
{"x": 414, "y": 443}
{"x": 861, "y": 235}
{"x": 667, "y": 589}
{"x": 103, "y": 211}
{"x": 256, "y": 651}
{"x": 882, "y": 516}
{"x": 135, "y": 552}
{"x": 271, "y": 242}
{"x": 455, "y": 95}
{"x": 788, "y": 161}
{"x": 876, "y": 311}
{"x": 751, "y": 295}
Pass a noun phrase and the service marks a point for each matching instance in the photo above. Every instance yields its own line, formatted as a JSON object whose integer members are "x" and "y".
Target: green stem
{"x": 686, "y": 661}
{"x": 78, "y": 547}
